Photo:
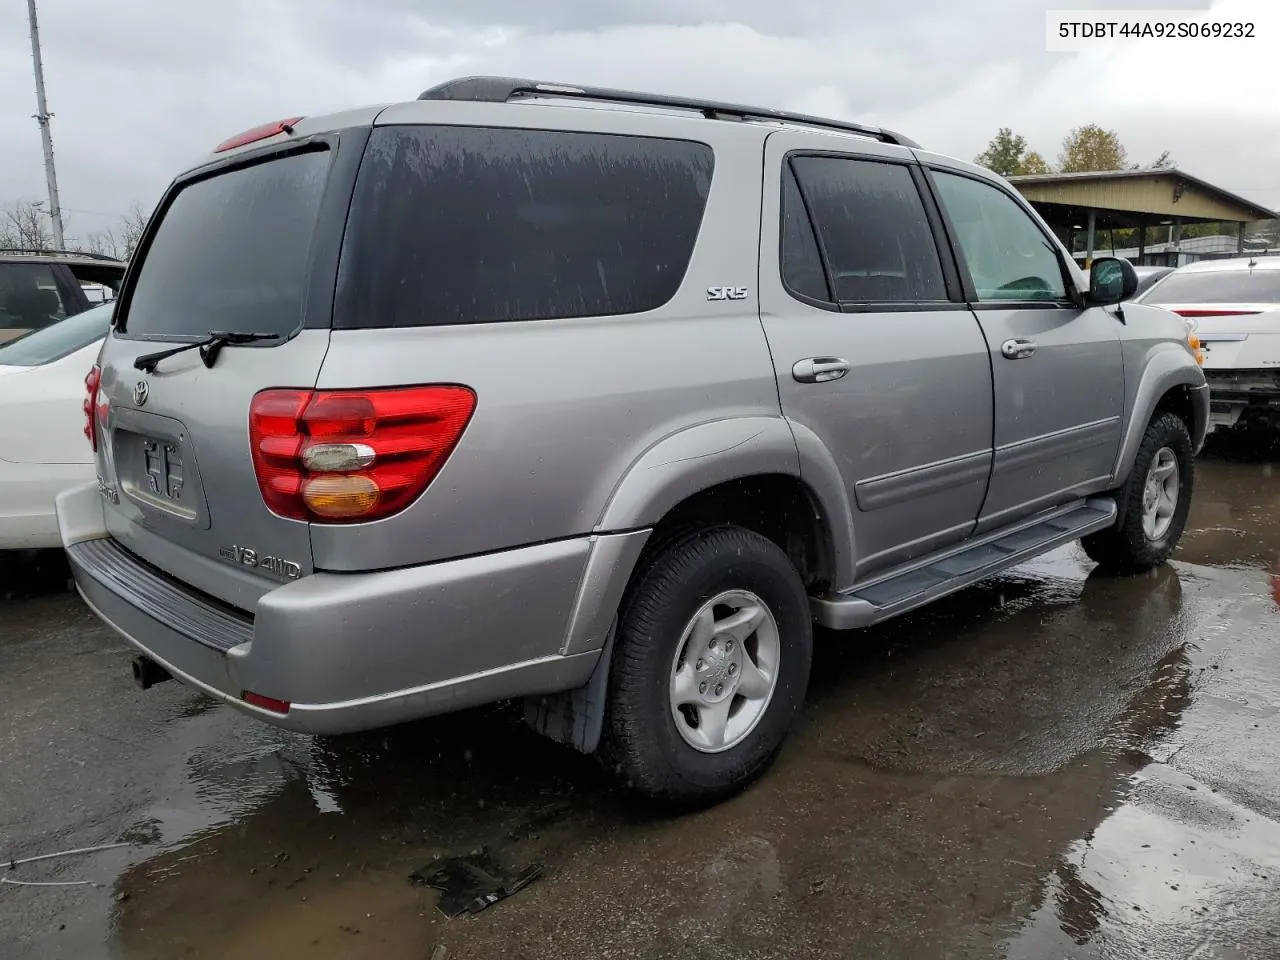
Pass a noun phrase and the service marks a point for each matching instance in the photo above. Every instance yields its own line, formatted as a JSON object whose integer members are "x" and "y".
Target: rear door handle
{"x": 820, "y": 369}
{"x": 1017, "y": 348}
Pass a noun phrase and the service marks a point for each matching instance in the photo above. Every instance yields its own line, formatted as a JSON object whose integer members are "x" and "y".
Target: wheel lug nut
{"x": 702, "y": 687}
{"x": 719, "y": 689}
{"x": 712, "y": 644}
{"x": 702, "y": 665}
{"x": 728, "y": 645}
{"x": 733, "y": 668}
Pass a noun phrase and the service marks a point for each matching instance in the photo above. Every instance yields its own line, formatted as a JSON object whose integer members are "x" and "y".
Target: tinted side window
{"x": 1008, "y": 255}
{"x": 476, "y": 225}
{"x": 30, "y": 297}
{"x": 802, "y": 270}
{"x": 873, "y": 228}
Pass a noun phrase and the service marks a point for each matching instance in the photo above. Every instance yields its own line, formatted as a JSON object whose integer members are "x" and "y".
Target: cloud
{"x": 141, "y": 88}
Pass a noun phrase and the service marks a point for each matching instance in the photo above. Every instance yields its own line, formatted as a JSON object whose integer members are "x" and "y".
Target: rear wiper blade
{"x": 209, "y": 348}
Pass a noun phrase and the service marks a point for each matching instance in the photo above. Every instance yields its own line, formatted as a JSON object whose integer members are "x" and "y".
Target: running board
{"x": 904, "y": 590}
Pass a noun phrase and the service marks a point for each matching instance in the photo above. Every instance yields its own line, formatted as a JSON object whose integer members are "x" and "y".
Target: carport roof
{"x": 1137, "y": 197}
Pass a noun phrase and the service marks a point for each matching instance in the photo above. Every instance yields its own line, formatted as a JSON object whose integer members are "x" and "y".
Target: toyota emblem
{"x": 140, "y": 393}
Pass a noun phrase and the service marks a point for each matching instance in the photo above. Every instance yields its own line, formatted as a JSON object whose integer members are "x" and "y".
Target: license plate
{"x": 162, "y": 466}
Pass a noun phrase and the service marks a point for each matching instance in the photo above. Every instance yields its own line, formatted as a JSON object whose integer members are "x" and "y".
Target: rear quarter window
{"x": 457, "y": 225}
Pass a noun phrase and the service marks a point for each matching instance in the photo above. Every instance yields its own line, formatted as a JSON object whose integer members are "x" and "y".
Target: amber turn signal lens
{"x": 340, "y": 496}
{"x": 1193, "y": 342}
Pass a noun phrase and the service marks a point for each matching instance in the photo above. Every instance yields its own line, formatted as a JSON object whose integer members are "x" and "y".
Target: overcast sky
{"x": 140, "y": 88}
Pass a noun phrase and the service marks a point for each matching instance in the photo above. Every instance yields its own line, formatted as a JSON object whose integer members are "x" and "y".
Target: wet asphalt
{"x": 1057, "y": 764}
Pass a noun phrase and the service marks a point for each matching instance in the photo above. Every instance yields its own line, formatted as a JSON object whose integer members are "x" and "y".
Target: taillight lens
{"x": 1191, "y": 313}
{"x": 90, "y": 406}
{"x": 351, "y": 456}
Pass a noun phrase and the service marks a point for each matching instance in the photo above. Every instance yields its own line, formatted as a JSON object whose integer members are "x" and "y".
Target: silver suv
{"x": 600, "y": 400}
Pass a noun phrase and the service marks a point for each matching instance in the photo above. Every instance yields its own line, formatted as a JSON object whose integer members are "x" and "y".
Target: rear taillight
{"x": 351, "y": 456}
{"x": 90, "y": 406}
{"x": 1191, "y": 313}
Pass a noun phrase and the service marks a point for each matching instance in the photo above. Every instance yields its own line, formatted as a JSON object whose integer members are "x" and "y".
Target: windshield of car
{"x": 1226, "y": 286}
{"x": 59, "y": 340}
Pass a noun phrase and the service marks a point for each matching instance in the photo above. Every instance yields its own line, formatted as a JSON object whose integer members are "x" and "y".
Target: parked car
{"x": 1149, "y": 275}
{"x": 1234, "y": 307}
{"x": 42, "y": 443}
{"x": 491, "y": 395}
{"x": 38, "y": 288}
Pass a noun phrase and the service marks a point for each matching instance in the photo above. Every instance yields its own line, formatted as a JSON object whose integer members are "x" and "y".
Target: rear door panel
{"x": 909, "y": 425}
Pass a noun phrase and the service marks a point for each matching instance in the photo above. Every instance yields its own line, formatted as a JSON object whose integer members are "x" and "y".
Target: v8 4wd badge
{"x": 248, "y": 557}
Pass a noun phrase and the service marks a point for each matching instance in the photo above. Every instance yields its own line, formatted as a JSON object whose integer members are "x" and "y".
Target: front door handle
{"x": 1017, "y": 348}
{"x": 820, "y": 369}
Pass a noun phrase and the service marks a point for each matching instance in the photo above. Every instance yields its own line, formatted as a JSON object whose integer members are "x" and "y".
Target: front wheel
{"x": 1155, "y": 501}
{"x": 711, "y": 663}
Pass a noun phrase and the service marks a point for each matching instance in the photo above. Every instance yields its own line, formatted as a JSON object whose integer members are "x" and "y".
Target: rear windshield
{"x": 1233, "y": 286}
{"x": 59, "y": 340}
{"x": 231, "y": 253}
{"x": 457, "y": 225}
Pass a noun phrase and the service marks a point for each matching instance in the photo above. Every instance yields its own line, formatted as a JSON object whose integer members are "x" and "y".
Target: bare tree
{"x": 25, "y": 225}
{"x": 131, "y": 227}
{"x": 122, "y": 239}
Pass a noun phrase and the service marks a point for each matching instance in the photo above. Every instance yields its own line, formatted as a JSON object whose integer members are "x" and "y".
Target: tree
{"x": 1033, "y": 163}
{"x": 1008, "y": 156}
{"x": 25, "y": 226}
{"x": 1162, "y": 162}
{"x": 1090, "y": 148}
{"x": 121, "y": 240}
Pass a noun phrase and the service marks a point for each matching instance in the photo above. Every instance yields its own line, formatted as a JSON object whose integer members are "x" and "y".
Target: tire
{"x": 1134, "y": 546}
{"x": 680, "y": 755}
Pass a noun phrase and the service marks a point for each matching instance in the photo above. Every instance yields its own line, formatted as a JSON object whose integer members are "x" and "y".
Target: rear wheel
{"x": 711, "y": 664}
{"x": 1155, "y": 501}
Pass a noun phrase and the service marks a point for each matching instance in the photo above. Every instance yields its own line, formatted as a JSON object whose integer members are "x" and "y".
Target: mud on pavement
{"x": 1057, "y": 764}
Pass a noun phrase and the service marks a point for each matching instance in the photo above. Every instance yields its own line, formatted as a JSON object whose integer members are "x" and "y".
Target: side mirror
{"x": 1112, "y": 280}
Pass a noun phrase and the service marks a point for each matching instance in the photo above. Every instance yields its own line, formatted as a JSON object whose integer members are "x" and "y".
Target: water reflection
{"x": 949, "y": 766}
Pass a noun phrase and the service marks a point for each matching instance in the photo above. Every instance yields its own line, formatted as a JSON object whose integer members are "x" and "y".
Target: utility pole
{"x": 42, "y": 118}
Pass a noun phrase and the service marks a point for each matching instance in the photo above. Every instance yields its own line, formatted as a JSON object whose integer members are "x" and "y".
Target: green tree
{"x": 1032, "y": 163}
{"x": 1008, "y": 156}
{"x": 1091, "y": 148}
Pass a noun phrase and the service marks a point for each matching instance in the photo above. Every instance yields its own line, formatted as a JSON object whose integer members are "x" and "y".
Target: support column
{"x": 1240, "y": 237}
{"x": 1093, "y": 223}
{"x": 1142, "y": 243}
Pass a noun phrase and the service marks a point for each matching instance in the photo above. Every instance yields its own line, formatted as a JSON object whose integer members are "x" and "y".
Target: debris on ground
{"x": 471, "y": 883}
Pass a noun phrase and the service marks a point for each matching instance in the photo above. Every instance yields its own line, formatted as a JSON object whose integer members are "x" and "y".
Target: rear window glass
{"x": 454, "y": 225}
{"x": 1232, "y": 286}
{"x": 30, "y": 297}
{"x": 58, "y": 340}
{"x": 231, "y": 253}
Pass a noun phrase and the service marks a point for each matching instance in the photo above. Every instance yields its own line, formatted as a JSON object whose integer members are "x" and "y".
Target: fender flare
{"x": 700, "y": 457}
{"x": 1167, "y": 366}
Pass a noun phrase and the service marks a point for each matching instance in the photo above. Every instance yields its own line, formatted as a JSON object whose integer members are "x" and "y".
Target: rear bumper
{"x": 1243, "y": 395}
{"x": 27, "y": 493}
{"x": 353, "y": 652}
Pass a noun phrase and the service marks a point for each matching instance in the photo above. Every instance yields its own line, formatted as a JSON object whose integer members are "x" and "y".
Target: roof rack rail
{"x": 55, "y": 254}
{"x": 505, "y": 89}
